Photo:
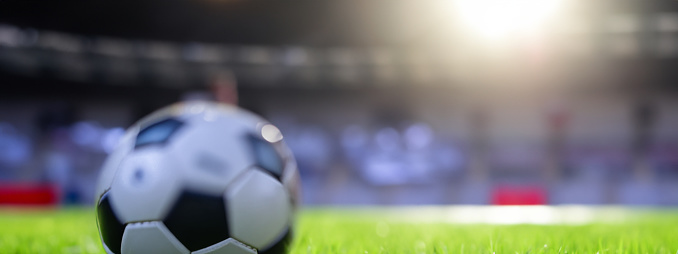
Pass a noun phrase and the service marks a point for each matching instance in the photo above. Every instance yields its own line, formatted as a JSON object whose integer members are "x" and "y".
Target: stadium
{"x": 460, "y": 126}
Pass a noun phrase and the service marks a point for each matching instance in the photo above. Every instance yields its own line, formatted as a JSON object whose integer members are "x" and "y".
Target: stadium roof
{"x": 258, "y": 22}
{"x": 376, "y": 43}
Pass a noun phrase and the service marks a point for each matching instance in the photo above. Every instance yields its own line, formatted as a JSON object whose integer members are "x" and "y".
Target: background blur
{"x": 382, "y": 102}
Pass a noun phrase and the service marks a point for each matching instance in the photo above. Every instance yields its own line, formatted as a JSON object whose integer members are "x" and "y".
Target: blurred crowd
{"x": 601, "y": 153}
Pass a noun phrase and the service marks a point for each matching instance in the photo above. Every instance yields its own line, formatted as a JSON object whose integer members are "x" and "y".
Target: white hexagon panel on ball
{"x": 228, "y": 246}
{"x": 146, "y": 185}
{"x": 150, "y": 237}
{"x": 211, "y": 153}
{"x": 258, "y": 209}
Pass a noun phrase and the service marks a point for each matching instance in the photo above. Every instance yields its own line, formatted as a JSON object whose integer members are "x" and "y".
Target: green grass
{"x": 378, "y": 231}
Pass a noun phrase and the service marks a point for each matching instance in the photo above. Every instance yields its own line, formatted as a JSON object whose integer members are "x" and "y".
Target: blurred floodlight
{"x": 496, "y": 19}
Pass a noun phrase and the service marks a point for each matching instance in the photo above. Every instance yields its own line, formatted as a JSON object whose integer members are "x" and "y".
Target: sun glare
{"x": 497, "y": 19}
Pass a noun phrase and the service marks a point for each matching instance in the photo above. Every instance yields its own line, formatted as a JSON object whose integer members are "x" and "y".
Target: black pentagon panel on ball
{"x": 198, "y": 220}
{"x": 110, "y": 226}
{"x": 281, "y": 246}
{"x": 267, "y": 156}
{"x": 157, "y": 133}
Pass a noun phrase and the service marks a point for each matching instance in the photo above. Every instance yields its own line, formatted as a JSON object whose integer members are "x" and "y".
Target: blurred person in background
{"x": 224, "y": 88}
{"x": 220, "y": 87}
{"x": 57, "y": 150}
{"x": 15, "y": 151}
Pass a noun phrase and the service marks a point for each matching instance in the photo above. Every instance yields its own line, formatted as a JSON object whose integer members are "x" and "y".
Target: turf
{"x": 377, "y": 231}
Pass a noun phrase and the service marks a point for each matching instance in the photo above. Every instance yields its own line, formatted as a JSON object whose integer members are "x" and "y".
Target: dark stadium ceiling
{"x": 176, "y": 44}
{"x": 237, "y": 22}
{"x": 258, "y": 22}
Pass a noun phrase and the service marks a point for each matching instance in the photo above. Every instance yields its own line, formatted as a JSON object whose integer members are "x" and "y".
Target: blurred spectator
{"x": 224, "y": 87}
{"x": 15, "y": 151}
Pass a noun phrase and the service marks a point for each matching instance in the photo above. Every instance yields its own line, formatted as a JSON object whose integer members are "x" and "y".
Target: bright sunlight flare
{"x": 497, "y": 19}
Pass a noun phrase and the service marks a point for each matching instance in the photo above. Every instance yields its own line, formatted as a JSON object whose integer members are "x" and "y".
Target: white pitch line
{"x": 501, "y": 215}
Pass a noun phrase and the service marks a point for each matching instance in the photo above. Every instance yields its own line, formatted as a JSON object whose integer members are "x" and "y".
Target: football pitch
{"x": 398, "y": 230}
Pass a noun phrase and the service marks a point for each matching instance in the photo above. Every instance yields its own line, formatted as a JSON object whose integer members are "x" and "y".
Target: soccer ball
{"x": 198, "y": 177}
